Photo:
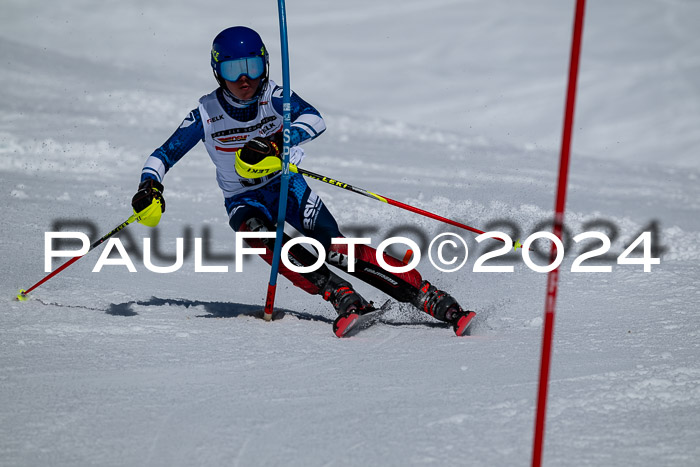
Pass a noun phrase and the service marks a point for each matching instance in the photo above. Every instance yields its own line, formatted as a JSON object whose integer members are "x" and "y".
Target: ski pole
{"x": 381, "y": 198}
{"x": 392, "y": 202}
{"x": 23, "y": 293}
{"x": 273, "y": 164}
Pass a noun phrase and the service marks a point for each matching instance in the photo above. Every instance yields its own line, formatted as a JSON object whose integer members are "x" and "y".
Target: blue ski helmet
{"x": 239, "y": 51}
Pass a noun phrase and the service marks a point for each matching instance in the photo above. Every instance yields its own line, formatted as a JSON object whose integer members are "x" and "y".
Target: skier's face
{"x": 244, "y": 88}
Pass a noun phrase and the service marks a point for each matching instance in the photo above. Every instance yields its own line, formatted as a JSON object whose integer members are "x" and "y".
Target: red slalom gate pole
{"x": 553, "y": 276}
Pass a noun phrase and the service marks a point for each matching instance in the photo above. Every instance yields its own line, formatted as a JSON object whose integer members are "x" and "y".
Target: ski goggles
{"x": 232, "y": 70}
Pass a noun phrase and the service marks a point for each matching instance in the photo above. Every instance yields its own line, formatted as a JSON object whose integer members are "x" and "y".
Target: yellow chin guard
{"x": 267, "y": 166}
{"x": 151, "y": 215}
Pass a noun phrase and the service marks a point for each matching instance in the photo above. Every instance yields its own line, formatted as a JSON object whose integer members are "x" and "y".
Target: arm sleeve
{"x": 188, "y": 134}
{"x": 307, "y": 122}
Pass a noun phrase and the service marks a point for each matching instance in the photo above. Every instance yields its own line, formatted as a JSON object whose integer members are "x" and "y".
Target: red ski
{"x": 349, "y": 324}
{"x": 463, "y": 325}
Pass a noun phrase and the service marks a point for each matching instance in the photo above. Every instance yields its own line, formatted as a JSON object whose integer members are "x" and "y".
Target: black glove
{"x": 259, "y": 148}
{"x": 148, "y": 191}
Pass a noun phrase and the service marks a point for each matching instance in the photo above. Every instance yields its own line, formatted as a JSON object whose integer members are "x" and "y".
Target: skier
{"x": 240, "y": 124}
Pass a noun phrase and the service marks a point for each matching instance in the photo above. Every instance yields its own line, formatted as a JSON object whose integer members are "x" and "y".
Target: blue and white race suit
{"x": 225, "y": 126}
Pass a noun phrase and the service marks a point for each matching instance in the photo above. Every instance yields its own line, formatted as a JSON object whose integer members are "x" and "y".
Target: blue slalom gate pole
{"x": 284, "y": 187}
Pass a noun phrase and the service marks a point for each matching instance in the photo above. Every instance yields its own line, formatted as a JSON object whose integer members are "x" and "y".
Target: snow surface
{"x": 451, "y": 106}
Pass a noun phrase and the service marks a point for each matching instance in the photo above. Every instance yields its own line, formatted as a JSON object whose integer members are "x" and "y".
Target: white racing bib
{"x": 223, "y": 136}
